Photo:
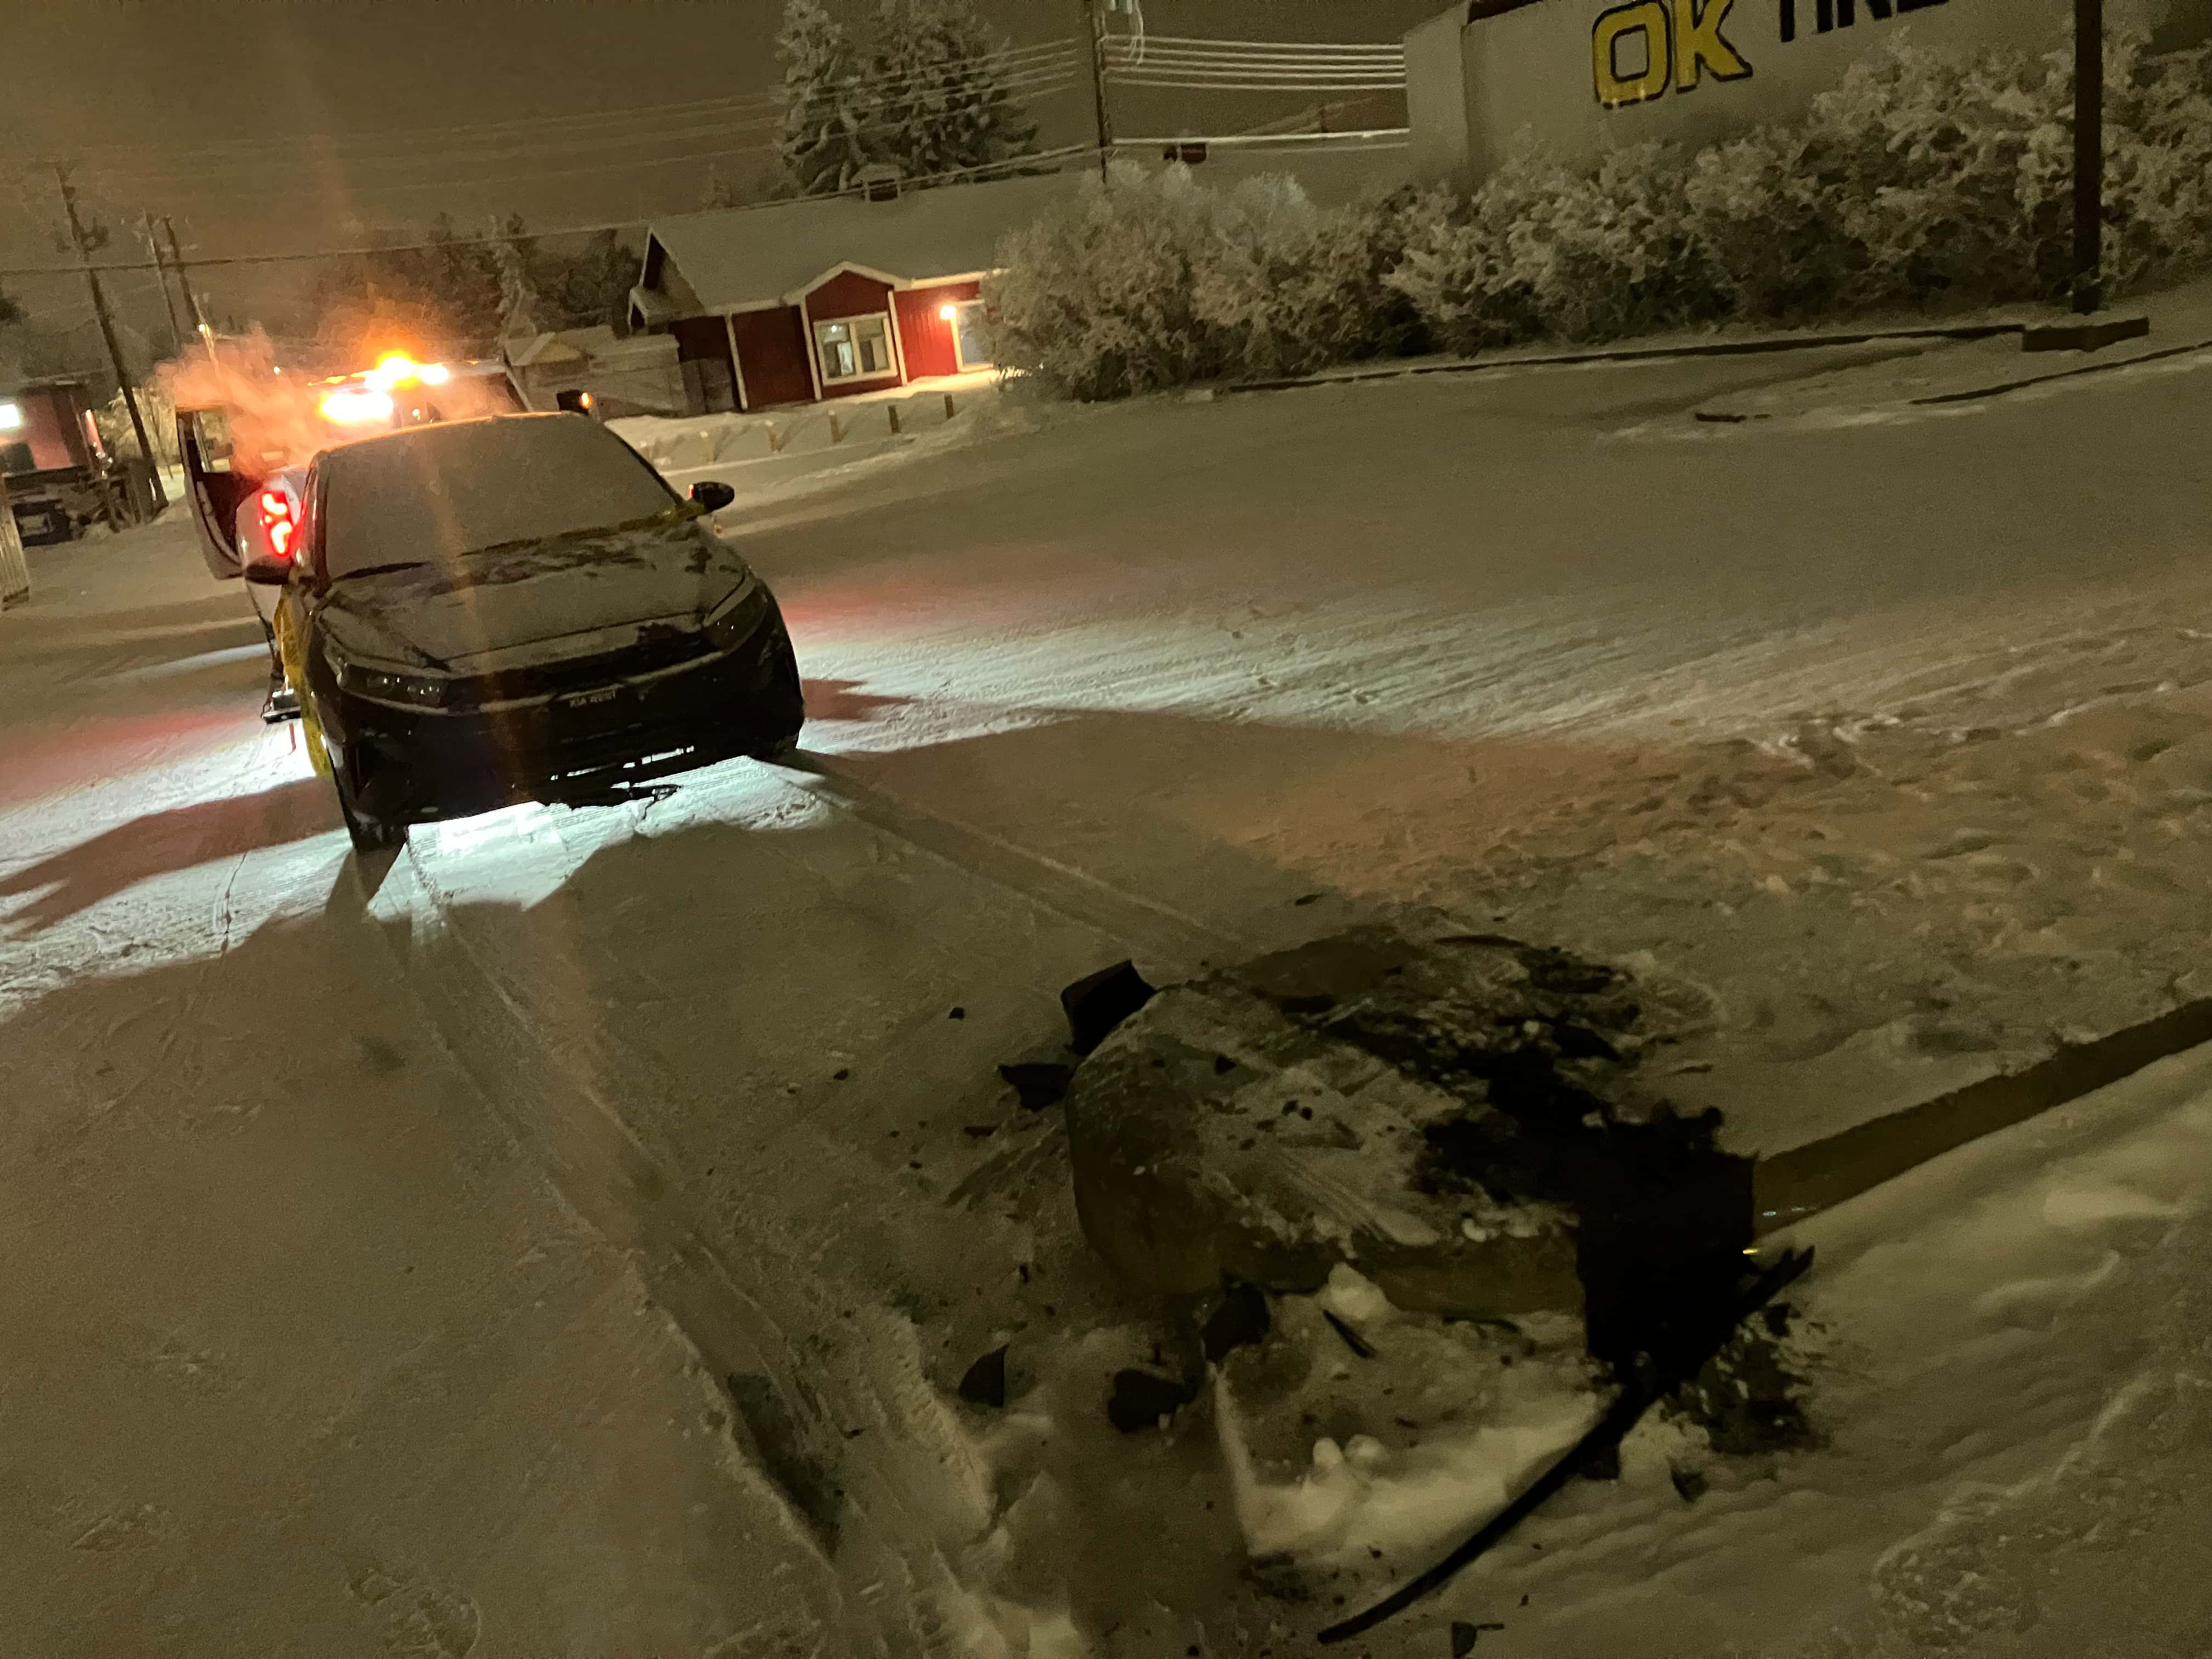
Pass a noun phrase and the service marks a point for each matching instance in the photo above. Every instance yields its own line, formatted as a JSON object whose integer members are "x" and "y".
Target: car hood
{"x": 537, "y": 602}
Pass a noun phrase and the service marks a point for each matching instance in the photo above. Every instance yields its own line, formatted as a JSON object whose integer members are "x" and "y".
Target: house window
{"x": 971, "y": 337}
{"x": 854, "y": 347}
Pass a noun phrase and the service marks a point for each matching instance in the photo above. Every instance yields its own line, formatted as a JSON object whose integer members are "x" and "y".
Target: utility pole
{"x": 162, "y": 274}
{"x": 107, "y": 333}
{"x": 2088, "y": 153}
{"x": 1094, "y": 35}
{"x": 192, "y": 300}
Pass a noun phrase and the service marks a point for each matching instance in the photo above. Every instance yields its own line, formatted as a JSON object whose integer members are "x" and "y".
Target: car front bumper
{"x": 412, "y": 766}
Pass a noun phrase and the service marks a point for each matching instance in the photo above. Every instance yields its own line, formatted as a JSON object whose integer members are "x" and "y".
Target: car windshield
{"x": 438, "y": 493}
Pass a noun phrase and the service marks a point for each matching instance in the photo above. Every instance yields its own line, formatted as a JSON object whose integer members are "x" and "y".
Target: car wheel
{"x": 369, "y": 835}
{"x": 782, "y": 749}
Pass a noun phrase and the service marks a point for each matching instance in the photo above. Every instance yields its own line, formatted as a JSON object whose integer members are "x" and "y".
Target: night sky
{"x": 128, "y": 89}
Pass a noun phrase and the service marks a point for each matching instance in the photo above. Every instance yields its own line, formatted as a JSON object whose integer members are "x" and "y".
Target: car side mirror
{"x": 713, "y": 495}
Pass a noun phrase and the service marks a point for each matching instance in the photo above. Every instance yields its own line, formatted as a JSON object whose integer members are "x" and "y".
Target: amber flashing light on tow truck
{"x": 365, "y": 399}
{"x": 358, "y": 406}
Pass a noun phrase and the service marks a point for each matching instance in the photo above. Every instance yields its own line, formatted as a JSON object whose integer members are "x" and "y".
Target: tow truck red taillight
{"x": 276, "y": 520}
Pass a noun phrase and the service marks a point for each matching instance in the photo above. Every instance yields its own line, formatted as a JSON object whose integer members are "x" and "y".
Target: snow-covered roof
{"x": 734, "y": 258}
{"x": 595, "y": 344}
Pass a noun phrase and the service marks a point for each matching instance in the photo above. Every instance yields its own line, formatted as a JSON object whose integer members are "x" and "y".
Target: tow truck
{"x": 245, "y": 457}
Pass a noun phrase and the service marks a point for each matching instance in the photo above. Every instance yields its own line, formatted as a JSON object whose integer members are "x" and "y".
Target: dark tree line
{"x": 450, "y": 292}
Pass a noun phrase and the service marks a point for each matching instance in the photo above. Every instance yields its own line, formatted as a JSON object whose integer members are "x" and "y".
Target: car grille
{"x": 555, "y": 679}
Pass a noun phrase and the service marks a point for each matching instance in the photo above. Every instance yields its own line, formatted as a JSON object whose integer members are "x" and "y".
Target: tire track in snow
{"x": 1141, "y": 924}
{"x": 872, "y": 1580}
{"x": 818, "y": 1377}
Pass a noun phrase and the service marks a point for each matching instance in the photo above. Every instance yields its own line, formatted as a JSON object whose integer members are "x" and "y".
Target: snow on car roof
{"x": 439, "y": 492}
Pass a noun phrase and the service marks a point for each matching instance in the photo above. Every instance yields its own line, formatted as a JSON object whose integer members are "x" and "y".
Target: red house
{"x": 824, "y": 298}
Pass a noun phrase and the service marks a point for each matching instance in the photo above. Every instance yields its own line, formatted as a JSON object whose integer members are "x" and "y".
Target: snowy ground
{"x": 1890, "y": 735}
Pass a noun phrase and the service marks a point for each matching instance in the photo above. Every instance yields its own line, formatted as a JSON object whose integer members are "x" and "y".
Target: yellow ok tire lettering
{"x": 1649, "y": 19}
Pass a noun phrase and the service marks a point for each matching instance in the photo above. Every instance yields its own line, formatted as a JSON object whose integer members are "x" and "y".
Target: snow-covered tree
{"x": 520, "y": 306}
{"x": 939, "y": 89}
{"x": 823, "y": 144}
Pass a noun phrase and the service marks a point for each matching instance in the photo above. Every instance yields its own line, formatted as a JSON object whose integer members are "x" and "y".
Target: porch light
{"x": 951, "y": 313}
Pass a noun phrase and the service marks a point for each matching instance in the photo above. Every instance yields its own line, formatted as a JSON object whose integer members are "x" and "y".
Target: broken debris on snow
{"x": 1463, "y": 1118}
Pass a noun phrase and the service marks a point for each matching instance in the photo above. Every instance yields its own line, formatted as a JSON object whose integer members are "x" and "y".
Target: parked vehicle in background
{"x": 51, "y": 456}
{"x": 519, "y": 608}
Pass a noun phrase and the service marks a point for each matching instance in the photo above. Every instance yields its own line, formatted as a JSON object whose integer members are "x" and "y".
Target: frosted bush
{"x": 1921, "y": 181}
{"x": 1097, "y": 297}
{"x": 1154, "y": 280}
{"x": 1542, "y": 251}
{"x": 1289, "y": 287}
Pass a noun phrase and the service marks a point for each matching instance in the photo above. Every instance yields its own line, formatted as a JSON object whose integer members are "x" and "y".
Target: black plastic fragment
{"x": 1241, "y": 1320}
{"x": 1140, "y": 1399}
{"x": 1039, "y": 1084}
{"x": 1352, "y": 1340}
{"x": 1097, "y": 1003}
{"x": 984, "y": 1383}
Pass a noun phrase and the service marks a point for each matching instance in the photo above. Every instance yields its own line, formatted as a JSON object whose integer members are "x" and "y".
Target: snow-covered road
{"x": 393, "y": 1242}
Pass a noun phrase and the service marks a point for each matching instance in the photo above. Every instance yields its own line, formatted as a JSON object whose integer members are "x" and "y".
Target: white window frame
{"x": 890, "y": 371}
{"x": 959, "y": 358}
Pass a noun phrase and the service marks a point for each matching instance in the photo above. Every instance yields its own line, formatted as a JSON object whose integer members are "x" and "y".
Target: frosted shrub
{"x": 1290, "y": 288}
{"x": 1097, "y": 298}
{"x": 1542, "y": 250}
{"x": 1155, "y": 280}
{"x": 2158, "y": 183}
{"x": 1923, "y": 181}
{"x": 1920, "y": 182}
{"x": 1460, "y": 270}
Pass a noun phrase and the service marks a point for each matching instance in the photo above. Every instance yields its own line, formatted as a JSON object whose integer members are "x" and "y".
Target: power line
{"x": 1323, "y": 48}
{"x": 368, "y": 187}
{"x": 1249, "y": 83}
{"x": 352, "y": 186}
{"x": 756, "y": 106}
{"x": 1189, "y": 63}
{"x": 1024, "y": 88}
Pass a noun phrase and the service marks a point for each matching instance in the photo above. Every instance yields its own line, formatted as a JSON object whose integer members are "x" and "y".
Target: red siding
{"x": 850, "y": 294}
{"x": 928, "y": 335}
{"x": 772, "y": 352}
{"x": 46, "y": 414}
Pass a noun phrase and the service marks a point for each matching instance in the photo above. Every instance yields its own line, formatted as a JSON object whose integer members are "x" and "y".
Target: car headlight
{"x": 739, "y": 617}
{"x": 417, "y": 690}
